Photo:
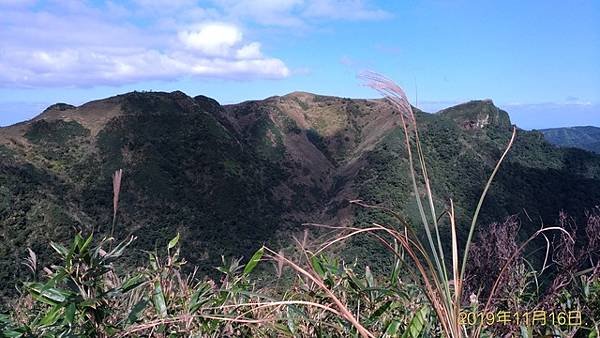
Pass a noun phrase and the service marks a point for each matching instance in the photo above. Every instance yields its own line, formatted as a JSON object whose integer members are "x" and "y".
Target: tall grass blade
{"x": 480, "y": 204}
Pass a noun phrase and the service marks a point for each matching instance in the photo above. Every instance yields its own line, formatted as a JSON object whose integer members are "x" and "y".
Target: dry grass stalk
{"x": 117, "y": 177}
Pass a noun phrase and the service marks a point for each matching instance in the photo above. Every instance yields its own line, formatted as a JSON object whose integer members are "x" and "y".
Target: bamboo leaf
{"x": 392, "y": 329}
{"x": 291, "y": 319}
{"x": 417, "y": 324}
{"x": 317, "y": 265}
{"x": 132, "y": 283}
{"x": 158, "y": 298}
{"x": 118, "y": 251}
{"x": 70, "y": 313}
{"x": 62, "y": 251}
{"x": 173, "y": 242}
{"x": 48, "y": 295}
{"x": 135, "y": 312}
{"x": 51, "y": 316}
{"x": 254, "y": 261}
{"x": 86, "y": 244}
{"x": 199, "y": 298}
{"x": 11, "y": 334}
{"x": 381, "y": 310}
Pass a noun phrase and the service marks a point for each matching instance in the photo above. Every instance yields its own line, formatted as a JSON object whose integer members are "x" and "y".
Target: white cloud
{"x": 83, "y": 48}
{"x": 249, "y": 51}
{"x": 344, "y": 9}
{"x": 295, "y": 13}
{"x": 85, "y": 43}
{"x": 265, "y": 12}
{"x": 16, "y": 3}
{"x": 84, "y": 68}
{"x": 162, "y": 4}
{"x": 214, "y": 39}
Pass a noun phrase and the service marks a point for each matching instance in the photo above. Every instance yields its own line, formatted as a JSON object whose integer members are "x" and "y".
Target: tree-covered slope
{"x": 230, "y": 178}
{"x": 184, "y": 172}
{"x": 462, "y": 144}
{"x": 587, "y": 138}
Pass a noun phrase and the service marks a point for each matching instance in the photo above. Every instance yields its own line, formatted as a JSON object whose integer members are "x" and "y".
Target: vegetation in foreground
{"x": 428, "y": 290}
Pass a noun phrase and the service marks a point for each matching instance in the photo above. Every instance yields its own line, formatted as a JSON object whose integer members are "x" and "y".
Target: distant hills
{"x": 587, "y": 138}
{"x": 230, "y": 178}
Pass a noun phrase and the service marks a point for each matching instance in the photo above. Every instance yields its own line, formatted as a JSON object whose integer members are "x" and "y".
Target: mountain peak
{"x": 478, "y": 114}
{"x": 299, "y": 93}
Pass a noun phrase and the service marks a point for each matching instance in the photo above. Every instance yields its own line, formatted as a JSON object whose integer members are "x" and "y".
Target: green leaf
{"x": 381, "y": 310}
{"x": 199, "y": 298}
{"x": 132, "y": 283}
{"x": 254, "y": 261}
{"x": 317, "y": 265}
{"x": 355, "y": 283}
{"x": 78, "y": 241}
{"x": 89, "y": 304}
{"x": 153, "y": 261}
{"x": 51, "y": 316}
{"x": 111, "y": 331}
{"x": 74, "y": 247}
{"x": 158, "y": 298}
{"x": 173, "y": 242}
{"x": 83, "y": 248}
{"x": 291, "y": 319}
{"x": 57, "y": 278}
{"x": 11, "y": 334}
{"x": 70, "y": 313}
{"x": 392, "y": 329}
{"x": 52, "y": 296}
{"x": 62, "y": 251}
{"x": 417, "y": 324}
{"x": 118, "y": 250}
{"x": 135, "y": 312}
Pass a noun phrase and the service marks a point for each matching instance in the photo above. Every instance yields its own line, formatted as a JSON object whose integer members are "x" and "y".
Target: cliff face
{"x": 478, "y": 115}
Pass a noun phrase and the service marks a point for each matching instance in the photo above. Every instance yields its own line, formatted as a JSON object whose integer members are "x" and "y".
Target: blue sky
{"x": 539, "y": 60}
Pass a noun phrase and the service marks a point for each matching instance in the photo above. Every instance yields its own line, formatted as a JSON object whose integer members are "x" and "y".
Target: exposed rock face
{"x": 477, "y": 115}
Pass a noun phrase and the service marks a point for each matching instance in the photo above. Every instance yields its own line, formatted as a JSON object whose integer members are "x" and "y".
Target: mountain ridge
{"x": 232, "y": 177}
{"x": 583, "y": 137}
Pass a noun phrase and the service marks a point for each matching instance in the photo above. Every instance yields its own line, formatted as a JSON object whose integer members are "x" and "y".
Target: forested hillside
{"x": 230, "y": 178}
{"x": 587, "y": 138}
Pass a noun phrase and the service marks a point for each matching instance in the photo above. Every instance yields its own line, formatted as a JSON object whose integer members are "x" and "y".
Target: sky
{"x": 538, "y": 60}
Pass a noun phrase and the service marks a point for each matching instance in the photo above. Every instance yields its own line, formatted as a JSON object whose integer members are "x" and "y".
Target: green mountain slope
{"x": 587, "y": 138}
{"x": 184, "y": 172}
{"x": 462, "y": 144}
{"x": 230, "y": 178}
